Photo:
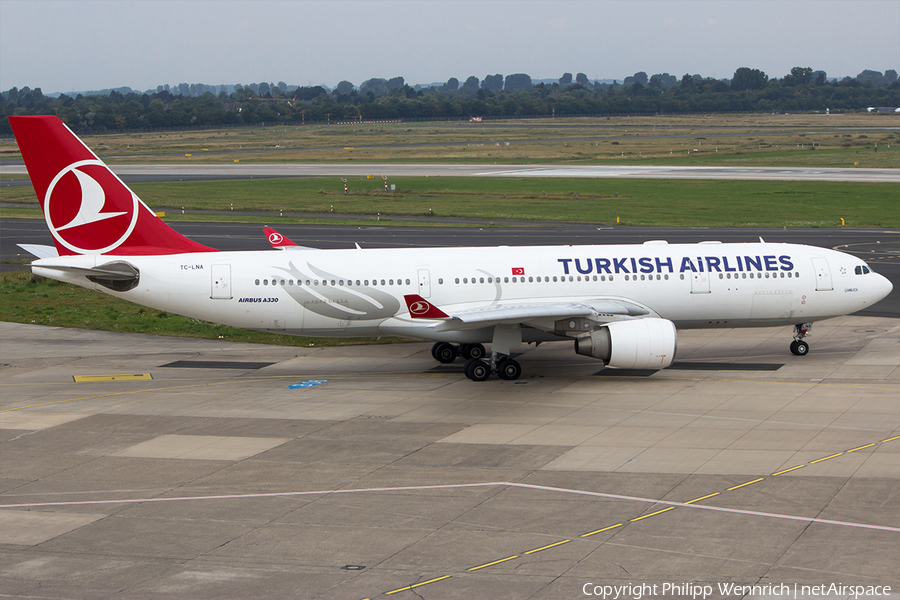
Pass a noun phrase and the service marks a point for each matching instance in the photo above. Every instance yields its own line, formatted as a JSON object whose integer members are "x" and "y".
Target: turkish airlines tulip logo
{"x": 419, "y": 307}
{"x": 275, "y": 238}
{"x": 88, "y": 209}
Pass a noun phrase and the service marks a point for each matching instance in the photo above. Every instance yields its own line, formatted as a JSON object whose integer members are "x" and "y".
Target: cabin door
{"x": 823, "y": 274}
{"x": 424, "y": 283}
{"x": 221, "y": 282}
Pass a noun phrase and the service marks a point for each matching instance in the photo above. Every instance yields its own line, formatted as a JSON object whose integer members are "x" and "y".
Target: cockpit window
{"x": 861, "y": 270}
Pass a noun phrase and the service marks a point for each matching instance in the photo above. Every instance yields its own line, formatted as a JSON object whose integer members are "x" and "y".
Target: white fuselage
{"x": 361, "y": 292}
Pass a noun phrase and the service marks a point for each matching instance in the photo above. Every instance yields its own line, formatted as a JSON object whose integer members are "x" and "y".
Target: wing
{"x": 541, "y": 314}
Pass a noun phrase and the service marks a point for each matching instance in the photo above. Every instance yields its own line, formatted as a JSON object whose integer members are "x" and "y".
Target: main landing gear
{"x": 445, "y": 352}
{"x": 798, "y": 346}
{"x": 477, "y": 368}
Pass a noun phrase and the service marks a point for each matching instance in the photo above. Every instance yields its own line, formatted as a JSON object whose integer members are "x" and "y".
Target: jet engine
{"x": 647, "y": 343}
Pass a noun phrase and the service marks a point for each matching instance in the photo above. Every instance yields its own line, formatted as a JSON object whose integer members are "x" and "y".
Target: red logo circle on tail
{"x": 419, "y": 307}
{"x": 88, "y": 209}
{"x": 275, "y": 238}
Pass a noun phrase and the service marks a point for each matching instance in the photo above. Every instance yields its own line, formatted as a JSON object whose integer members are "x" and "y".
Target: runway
{"x": 137, "y": 173}
{"x": 148, "y": 467}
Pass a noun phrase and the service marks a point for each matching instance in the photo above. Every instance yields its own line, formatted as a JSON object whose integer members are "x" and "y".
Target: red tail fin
{"x": 87, "y": 208}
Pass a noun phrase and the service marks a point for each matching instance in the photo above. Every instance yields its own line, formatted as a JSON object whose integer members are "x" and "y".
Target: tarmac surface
{"x": 136, "y": 466}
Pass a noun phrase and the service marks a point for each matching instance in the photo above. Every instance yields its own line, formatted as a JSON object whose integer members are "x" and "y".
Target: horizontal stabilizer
{"x": 112, "y": 272}
{"x": 39, "y": 250}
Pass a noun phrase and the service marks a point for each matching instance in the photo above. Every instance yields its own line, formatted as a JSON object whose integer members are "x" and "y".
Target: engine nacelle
{"x": 647, "y": 343}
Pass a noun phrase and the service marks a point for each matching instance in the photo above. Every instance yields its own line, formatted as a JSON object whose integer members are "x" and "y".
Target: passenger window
{"x": 257, "y": 282}
{"x": 265, "y": 282}
{"x": 382, "y": 282}
{"x": 481, "y": 280}
{"x": 530, "y": 280}
{"x": 440, "y": 282}
{"x": 457, "y": 280}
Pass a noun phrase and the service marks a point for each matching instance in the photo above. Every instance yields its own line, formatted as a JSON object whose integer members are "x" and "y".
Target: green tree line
{"x": 197, "y": 105}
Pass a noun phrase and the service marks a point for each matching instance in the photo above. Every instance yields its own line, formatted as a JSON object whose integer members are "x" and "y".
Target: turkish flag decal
{"x": 518, "y": 271}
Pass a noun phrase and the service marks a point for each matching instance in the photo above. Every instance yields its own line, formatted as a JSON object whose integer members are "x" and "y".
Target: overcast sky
{"x": 76, "y": 45}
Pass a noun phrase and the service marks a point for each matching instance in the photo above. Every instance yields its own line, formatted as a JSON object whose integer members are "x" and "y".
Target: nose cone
{"x": 879, "y": 289}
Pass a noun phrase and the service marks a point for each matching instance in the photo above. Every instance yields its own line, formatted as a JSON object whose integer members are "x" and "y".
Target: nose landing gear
{"x": 798, "y": 346}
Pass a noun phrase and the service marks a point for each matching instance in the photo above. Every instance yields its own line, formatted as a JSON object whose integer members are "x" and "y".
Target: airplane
{"x": 620, "y": 304}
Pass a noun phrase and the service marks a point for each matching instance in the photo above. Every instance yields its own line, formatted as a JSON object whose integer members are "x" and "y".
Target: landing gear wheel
{"x": 799, "y": 348}
{"x": 444, "y": 352}
{"x": 478, "y": 370}
{"x": 472, "y": 351}
{"x": 509, "y": 369}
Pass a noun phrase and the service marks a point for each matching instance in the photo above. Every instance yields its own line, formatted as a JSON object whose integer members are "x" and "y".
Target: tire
{"x": 444, "y": 352}
{"x": 472, "y": 351}
{"x": 509, "y": 369}
{"x": 799, "y": 348}
{"x": 478, "y": 370}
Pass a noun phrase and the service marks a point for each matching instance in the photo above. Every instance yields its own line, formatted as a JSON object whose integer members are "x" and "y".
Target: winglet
{"x": 277, "y": 240}
{"x": 420, "y": 308}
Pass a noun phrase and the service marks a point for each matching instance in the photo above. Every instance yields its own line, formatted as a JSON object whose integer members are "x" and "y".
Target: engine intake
{"x": 647, "y": 343}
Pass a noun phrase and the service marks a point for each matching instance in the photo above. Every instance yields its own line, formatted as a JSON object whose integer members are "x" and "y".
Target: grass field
{"x": 646, "y": 202}
{"x": 773, "y": 140}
